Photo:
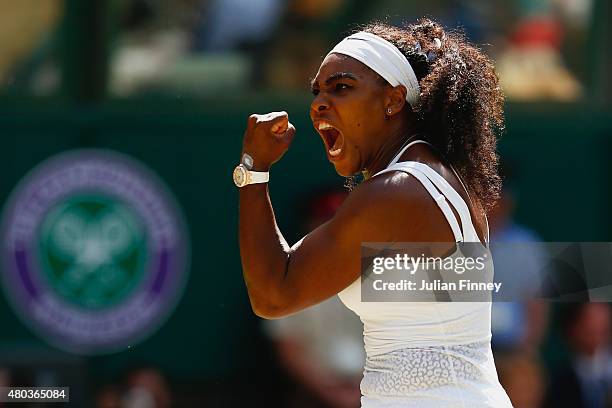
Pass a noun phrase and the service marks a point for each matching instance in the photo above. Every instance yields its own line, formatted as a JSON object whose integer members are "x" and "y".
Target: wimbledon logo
{"x": 95, "y": 251}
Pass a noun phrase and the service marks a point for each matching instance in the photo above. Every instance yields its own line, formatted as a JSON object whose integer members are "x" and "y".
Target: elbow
{"x": 270, "y": 307}
{"x": 267, "y": 312}
{"x": 273, "y": 300}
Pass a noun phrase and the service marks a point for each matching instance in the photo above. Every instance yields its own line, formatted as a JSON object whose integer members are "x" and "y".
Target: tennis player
{"x": 415, "y": 111}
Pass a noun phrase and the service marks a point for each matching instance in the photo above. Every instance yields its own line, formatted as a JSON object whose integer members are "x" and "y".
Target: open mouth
{"x": 332, "y": 137}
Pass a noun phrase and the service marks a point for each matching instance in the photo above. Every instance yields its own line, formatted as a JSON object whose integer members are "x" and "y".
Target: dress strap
{"x": 442, "y": 193}
{"x": 487, "y": 233}
{"x": 397, "y": 156}
{"x": 438, "y": 197}
{"x": 469, "y": 232}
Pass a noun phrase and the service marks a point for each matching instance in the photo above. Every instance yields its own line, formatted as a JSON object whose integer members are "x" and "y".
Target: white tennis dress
{"x": 428, "y": 354}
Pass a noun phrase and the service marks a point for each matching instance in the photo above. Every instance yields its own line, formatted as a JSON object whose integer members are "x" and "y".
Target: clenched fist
{"x": 267, "y": 138}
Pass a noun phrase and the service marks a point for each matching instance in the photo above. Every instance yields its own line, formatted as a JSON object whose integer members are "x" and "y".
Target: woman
{"x": 415, "y": 111}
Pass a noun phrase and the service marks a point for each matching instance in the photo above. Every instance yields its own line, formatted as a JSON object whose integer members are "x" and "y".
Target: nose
{"x": 319, "y": 104}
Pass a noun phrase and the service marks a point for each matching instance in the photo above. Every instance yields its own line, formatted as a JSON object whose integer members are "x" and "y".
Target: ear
{"x": 395, "y": 100}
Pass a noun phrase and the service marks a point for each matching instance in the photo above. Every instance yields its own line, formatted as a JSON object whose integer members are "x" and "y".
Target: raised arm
{"x": 282, "y": 280}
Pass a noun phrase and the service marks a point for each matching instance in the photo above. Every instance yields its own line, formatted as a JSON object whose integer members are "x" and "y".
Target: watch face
{"x": 239, "y": 176}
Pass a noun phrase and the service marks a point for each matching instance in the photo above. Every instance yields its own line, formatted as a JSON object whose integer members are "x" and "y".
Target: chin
{"x": 344, "y": 169}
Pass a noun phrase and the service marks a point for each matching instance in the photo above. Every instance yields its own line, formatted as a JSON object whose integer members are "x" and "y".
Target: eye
{"x": 341, "y": 87}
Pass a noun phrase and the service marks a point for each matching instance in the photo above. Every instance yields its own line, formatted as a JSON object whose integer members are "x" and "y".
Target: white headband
{"x": 382, "y": 57}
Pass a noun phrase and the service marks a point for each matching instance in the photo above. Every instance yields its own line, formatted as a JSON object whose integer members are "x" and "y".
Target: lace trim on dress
{"x": 405, "y": 371}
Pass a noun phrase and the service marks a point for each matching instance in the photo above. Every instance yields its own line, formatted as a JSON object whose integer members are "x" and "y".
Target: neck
{"x": 386, "y": 152}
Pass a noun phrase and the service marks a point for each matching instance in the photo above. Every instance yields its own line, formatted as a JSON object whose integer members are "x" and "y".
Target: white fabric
{"x": 428, "y": 354}
{"x": 383, "y": 58}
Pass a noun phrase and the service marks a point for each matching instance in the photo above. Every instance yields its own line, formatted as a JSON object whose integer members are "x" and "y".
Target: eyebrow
{"x": 334, "y": 77}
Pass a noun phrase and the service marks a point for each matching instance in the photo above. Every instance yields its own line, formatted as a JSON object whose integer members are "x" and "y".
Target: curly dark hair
{"x": 461, "y": 104}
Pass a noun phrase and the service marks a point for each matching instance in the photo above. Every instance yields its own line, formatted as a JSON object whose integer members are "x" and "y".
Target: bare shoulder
{"x": 390, "y": 189}
{"x": 391, "y": 206}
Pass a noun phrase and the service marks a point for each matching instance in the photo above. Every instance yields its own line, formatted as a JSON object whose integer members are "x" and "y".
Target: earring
{"x": 389, "y": 111}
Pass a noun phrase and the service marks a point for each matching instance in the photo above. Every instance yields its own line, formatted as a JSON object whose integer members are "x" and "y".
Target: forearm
{"x": 263, "y": 249}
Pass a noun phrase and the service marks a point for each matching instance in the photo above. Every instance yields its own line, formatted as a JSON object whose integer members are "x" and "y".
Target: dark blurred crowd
{"x": 547, "y": 354}
{"x": 203, "y": 47}
{"x": 141, "y": 387}
{"x": 534, "y": 41}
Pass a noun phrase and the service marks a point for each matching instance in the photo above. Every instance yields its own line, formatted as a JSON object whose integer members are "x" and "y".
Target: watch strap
{"x": 256, "y": 177}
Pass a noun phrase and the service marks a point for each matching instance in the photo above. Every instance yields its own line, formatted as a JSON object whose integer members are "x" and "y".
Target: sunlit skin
{"x": 346, "y": 94}
{"x": 393, "y": 207}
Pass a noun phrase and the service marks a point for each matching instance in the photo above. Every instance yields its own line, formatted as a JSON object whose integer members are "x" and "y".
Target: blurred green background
{"x": 146, "y": 78}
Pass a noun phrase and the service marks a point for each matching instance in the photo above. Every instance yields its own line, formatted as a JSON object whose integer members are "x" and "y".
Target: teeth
{"x": 334, "y": 153}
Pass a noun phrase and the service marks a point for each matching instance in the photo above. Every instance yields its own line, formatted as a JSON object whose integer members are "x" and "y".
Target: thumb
{"x": 289, "y": 133}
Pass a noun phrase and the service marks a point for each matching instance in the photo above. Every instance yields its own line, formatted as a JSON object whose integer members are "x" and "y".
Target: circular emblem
{"x": 240, "y": 177}
{"x": 95, "y": 251}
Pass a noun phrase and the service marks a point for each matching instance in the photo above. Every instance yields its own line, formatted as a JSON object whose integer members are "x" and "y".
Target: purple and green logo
{"x": 95, "y": 251}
